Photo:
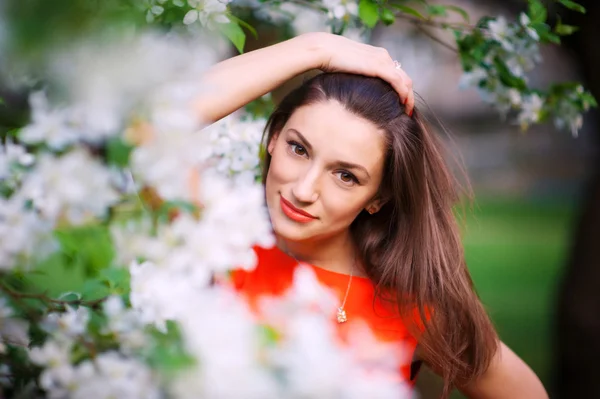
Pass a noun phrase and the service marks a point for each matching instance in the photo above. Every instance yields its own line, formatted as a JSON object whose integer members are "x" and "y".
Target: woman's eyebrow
{"x": 302, "y": 138}
{"x": 342, "y": 164}
{"x": 349, "y": 165}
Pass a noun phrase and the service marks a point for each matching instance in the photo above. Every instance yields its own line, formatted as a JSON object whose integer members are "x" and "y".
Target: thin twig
{"x": 436, "y": 24}
{"x": 308, "y": 4}
{"x": 436, "y": 39}
{"x": 45, "y": 298}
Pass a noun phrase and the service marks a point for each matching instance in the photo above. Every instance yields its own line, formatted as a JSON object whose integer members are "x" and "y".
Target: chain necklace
{"x": 341, "y": 315}
{"x": 341, "y": 312}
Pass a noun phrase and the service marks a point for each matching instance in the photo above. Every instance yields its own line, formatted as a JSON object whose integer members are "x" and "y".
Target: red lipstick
{"x": 294, "y": 213}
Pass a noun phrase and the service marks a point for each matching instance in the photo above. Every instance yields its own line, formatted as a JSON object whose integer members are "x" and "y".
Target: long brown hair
{"x": 411, "y": 248}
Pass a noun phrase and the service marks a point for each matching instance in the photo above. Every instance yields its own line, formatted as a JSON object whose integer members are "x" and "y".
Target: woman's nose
{"x": 306, "y": 187}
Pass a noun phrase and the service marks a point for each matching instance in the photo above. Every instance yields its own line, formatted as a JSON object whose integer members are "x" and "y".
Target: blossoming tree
{"x": 112, "y": 177}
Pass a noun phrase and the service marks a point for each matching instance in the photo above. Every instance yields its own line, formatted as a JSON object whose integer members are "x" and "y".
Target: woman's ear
{"x": 374, "y": 205}
{"x": 272, "y": 142}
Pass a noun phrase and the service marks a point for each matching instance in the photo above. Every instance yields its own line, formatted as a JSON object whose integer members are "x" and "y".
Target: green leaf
{"x": 235, "y": 34}
{"x": 387, "y": 17}
{"x": 537, "y": 11}
{"x": 437, "y": 10}
{"x": 118, "y": 151}
{"x": 2, "y": 101}
{"x": 507, "y": 78}
{"x": 168, "y": 353}
{"x": 88, "y": 246}
{"x": 368, "y": 13}
{"x": 70, "y": 296}
{"x": 546, "y": 35}
{"x": 244, "y": 24}
{"x": 564, "y": 30}
{"x": 461, "y": 11}
{"x": 571, "y": 5}
{"x": 408, "y": 10}
{"x": 94, "y": 289}
{"x": 117, "y": 279}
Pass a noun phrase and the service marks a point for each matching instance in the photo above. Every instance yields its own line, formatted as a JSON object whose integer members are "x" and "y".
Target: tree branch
{"x": 436, "y": 24}
{"x": 435, "y": 38}
{"x": 46, "y": 299}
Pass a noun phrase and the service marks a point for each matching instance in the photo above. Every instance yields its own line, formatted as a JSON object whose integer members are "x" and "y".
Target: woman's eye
{"x": 347, "y": 177}
{"x": 297, "y": 149}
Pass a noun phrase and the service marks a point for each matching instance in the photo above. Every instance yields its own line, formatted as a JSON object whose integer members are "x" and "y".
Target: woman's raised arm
{"x": 235, "y": 82}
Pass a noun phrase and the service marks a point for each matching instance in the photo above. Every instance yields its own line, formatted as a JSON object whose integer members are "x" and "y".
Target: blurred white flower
{"x": 235, "y": 145}
{"x": 530, "y": 110}
{"x": 338, "y": 9}
{"x": 24, "y": 236}
{"x": 13, "y": 155}
{"x": 208, "y": 12}
{"x": 525, "y": 23}
{"x": 74, "y": 186}
{"x": 58, "y": 373}
{"x": 568, "y": 117}
{"x": 169, "y": 162}
{"x": 227, "y": 350}
{"x": 109, "y": 80}
{"x": 501, "y": 31}
{"x": 71, "y": 323}
{"x": 108, "y": 375}
{"x": 159, "y": 294}
{"x": 112, "y": 375}
{"x": 124, "y": 323}
{"x": 13, "y": 331}
{"x": 56, "y": 127}
{"x": 472, "y": 78}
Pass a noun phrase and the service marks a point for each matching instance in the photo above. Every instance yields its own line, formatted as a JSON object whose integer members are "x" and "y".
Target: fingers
{"x": 369, "y": 60}
{"x": 397, "y": 77}
{"x": 409, "y": 101}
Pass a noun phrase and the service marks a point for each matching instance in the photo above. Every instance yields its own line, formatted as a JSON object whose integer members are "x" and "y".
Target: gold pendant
{"x": 341, "y": 315}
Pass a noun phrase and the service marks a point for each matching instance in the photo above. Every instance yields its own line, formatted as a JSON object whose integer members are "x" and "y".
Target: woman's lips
{"x": 294, "y": 213}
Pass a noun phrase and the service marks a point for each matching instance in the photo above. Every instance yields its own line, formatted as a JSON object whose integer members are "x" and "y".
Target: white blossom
{"x": 124, "y": 323}
{"x": 108, "y": 375}
{"x": 13, "y": 331}
{"x": 235, "y": 146}
{"x": 112, "y": 375}
{"x": 338, "y": 9}
{"x": 58, "y": 373}
{"x": 159, "y": 294}
{"x": 71, "y": 323}
{"x": 568, "y": 117}
{"x": 473, "y": 78}
{"x": 55, "y": 127}
{"x": 525, "y": 23}
{"x": 13, "y": 157}
{"x": 24, "y": 236}
{"x": 530, "y": 110}
{"x": 208, "y": 12}
{"x": 74, "y": 186}
{"x": 501, "y": 31}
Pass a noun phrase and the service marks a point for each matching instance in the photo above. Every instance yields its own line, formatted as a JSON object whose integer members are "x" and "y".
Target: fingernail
{"x": 410, "y": 113}
{"x": 405, "y": 101}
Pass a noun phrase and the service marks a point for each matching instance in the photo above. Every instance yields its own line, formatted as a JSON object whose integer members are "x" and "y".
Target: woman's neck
{"x": 336, "y": 254}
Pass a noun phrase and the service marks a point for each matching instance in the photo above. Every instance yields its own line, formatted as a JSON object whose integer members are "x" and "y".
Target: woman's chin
{"x": 290, "y": 231}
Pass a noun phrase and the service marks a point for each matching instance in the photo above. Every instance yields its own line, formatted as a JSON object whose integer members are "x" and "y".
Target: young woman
{"x": 356, "y": 186}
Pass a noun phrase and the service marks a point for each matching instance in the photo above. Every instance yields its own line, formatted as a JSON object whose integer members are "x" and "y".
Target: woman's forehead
{"x": 333, "y": 131}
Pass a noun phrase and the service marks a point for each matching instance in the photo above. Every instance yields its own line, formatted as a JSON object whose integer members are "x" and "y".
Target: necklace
{"x": 341, "y": 312}
{"x": 341, "y": 315}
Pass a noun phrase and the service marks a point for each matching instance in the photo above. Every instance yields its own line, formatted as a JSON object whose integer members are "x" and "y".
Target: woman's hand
{"x": 339, "y": 54}
{"x": 235, "y": 82}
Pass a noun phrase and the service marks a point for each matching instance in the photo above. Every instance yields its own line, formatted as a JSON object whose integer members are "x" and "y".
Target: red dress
{"x": 274, "y": 275}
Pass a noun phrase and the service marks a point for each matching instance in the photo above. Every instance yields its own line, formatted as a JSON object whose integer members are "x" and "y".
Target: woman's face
{"x": 326, "y": 167}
